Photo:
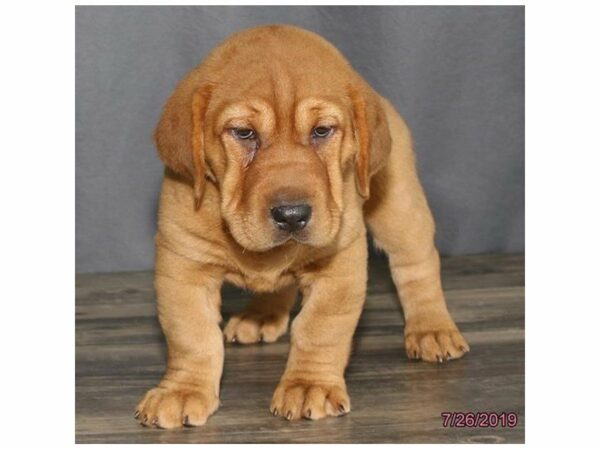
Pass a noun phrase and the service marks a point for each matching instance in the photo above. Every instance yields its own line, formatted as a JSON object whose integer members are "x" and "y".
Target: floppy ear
{"x": 371, "y": 129}
{"x": 179, "y": 135}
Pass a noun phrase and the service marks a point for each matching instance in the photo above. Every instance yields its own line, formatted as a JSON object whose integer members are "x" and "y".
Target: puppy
{"x": 279, "y": 157}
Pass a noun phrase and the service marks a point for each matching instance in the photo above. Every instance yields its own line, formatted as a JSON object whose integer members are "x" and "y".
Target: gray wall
{"x": 455, "y": 73}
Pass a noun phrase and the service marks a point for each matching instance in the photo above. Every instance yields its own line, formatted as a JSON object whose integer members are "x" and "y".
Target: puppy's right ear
{"x": 179, "y": 134}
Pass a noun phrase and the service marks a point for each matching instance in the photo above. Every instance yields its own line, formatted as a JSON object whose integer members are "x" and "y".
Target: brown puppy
{"x": 279, "y": 156}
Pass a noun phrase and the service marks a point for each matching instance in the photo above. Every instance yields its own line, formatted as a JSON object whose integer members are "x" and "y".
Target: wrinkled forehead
{"x": 282, "y": 75}
{"x": 255, "y": 110}
{"x": 278, "y": 94}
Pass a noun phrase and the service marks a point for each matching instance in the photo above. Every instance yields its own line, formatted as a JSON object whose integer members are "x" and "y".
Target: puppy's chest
{"x": 260, "y": 281}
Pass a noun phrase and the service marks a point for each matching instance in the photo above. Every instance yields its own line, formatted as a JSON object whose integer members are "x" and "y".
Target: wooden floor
{"x": 121, "y": 353}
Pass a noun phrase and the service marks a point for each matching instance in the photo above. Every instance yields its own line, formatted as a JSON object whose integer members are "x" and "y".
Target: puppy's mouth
{"x": 257, "y": 241}
{"x": 283, "y": 237}
{"x": 282, "y": 229}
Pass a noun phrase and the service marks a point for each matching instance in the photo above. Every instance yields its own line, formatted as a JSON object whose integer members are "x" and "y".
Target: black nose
{"x": 291, "y": 217}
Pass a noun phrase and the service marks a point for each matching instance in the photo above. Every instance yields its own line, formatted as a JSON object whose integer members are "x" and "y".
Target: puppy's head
{"x": 288, "y": 132}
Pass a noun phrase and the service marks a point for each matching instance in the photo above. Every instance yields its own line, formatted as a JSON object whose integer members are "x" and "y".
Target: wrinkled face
{"x": 278, "y": 120}
{"x": 281, "y": 169}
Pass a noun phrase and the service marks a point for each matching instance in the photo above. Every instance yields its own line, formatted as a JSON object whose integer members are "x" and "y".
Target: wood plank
{"x": 120, "y": 353}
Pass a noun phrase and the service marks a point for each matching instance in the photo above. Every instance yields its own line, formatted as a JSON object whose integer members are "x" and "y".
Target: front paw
{"x": 172, "y": 407}
{"x": 301, "y": 398}
{"x": 434, "y": 340}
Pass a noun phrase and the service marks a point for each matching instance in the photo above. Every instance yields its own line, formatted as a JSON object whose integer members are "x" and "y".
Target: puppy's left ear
{"x": 371, "y": 129}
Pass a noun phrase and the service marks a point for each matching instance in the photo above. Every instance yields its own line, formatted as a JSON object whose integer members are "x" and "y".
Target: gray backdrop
{"x": 455, "y": 73}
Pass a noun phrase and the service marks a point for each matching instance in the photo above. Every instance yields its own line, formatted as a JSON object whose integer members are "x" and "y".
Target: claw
{"x": 289, "y": 415}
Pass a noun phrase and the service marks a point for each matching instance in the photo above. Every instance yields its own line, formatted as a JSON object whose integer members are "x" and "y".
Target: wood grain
{"x": 120, "y": 353}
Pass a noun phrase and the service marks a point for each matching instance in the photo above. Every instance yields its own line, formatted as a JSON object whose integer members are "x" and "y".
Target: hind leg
{"x": 265, "y": 318}
{"x": 399, "y": 218}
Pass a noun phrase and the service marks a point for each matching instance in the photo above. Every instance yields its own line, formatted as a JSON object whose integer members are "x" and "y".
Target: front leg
{"x": 429, "y": 333}
{"x": 401, "y": 222}
{"x": 313, "y": 385}
{"x": 188, "y": 309}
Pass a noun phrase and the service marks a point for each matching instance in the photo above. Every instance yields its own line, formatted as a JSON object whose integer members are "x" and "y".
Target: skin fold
{"x": 276, "y": 116}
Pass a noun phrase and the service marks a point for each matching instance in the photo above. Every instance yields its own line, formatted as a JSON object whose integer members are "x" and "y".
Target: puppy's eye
{"x": 244, "y": 134}
{"x": 322, "y": 132}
